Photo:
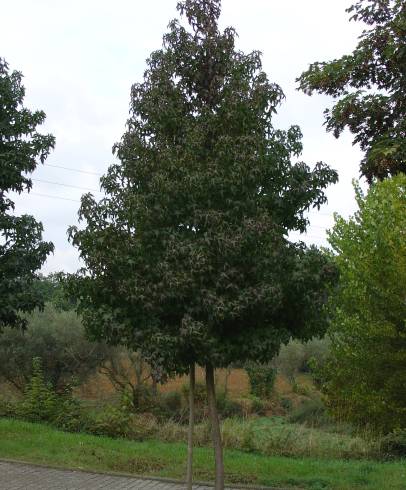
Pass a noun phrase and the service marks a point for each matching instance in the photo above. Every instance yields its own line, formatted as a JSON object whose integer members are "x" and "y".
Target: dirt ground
{"x": 236, "y": 381}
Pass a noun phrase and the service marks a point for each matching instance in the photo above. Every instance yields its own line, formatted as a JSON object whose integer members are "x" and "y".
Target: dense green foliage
{"x": 22, "y": 251}
{"x": 51, "y": 289}
{"x": 370, "y": 84}
{"x": 365, "y": 377}
{"x": 297, "y": 357}
{"x": 187, "y": 257}
{"x": 57, "y": 338}
{"x": 262, "y": 379}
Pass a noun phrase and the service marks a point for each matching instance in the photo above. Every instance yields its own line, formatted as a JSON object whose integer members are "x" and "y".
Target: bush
{"x": 296, "y": 357}
{"x": 290, "y": 359}
{"x": 7, "y": 408}
{"x": 286, "y": 404}
{"x": 258, "y": 407}
{"x": 200, "y": 393}
{"x": 57, "y": 338}
{"x": 41, "y": 403}
{"x": 170, "y": 406}
{"x": 394, "y": 444}
{"x": 172, "y": 401}
{"x": 301, "y": 389}
{"x": 227, "y": 407}
{"x": 115, "y": 421}
{"x": 311, "y": 413}
{"x": 131, "y": 376}
{"x": 315, "y": 351}
{"x": 262, "y": 379}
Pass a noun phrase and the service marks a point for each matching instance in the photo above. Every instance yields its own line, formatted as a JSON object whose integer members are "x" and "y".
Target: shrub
{"x": 111, "y": 421}
{"x": 262, "y": 379}
{"x": 301, "y": 389}
{"x": 172, "y": 401}
{"x": 311, "y": 413}
{"x": 200, "y": 393}
{"x": 57, "y": 338}
{"x": 40, "y": 402}
{"x": 315, "y": 350}
{"x": 286, "y": 404}
{"x": 290, "y": 359}
{"x": 170, "y": 406}
{"x": 227, "y": 407}
{"x": 7, "y": 408}
{"x": 130, "y": 375}
{"x": 258, "y": 407}
{"x": 394, "y": 444}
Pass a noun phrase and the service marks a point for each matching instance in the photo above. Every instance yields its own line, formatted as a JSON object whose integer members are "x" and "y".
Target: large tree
{"x": 365, "y": 377}
{"x": 370, "y": 86}
{"x": 187, "y": 257}
{"x": 22, "y": 251}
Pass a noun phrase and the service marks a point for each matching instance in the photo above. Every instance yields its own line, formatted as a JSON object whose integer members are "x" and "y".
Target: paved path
{"x": 19, "y": 476}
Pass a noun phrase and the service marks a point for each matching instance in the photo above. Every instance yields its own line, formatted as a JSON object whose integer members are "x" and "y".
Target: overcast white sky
{"x": 79, "y": 59}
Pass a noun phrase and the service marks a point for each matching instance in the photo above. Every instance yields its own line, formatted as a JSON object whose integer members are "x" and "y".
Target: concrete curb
{"x": 138, "y": 477}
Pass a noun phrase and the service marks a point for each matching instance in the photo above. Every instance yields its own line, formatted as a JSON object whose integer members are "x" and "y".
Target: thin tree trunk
{"x": 154, "y": 386}
{"x": 192, "y": 382}
{"x": 228, "y": 373}
{"x": 215, "y": 428}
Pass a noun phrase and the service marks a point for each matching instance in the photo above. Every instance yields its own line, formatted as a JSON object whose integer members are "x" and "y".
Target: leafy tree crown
{"x": 22, "y": 250}
{"x": 188, "y": 253}
{"x": 370, "y": 85}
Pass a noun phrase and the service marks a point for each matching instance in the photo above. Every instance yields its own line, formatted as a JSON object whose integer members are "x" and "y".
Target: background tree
{"x": 129, "y": 374}
{"x": 57, "y": 338}
{"x": 370, "y": 85}
{"x": 365, "y": 376}
{"x": 22, "y": 251}
{"x": 51, "y": 289}
{"x": 187, "y": 257}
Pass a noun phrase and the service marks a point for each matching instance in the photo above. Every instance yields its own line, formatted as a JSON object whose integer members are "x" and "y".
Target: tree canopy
{"x": 188, "y": 252}
{"x": 365, "y": 376}
{"x": 22, "y": 251}
{"x": 370, "y": 85}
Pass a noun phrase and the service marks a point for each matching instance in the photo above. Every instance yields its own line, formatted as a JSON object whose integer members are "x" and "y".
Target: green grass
{"x": 276, "y": 436}
{"x": 42, "y": 444}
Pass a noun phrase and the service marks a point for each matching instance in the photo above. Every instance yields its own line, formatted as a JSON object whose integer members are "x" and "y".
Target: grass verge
{"x": 42, "y": 444}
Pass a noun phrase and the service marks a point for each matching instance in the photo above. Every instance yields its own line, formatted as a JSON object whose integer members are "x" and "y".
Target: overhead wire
{"x": 307, "y": 235}
{"x": 310, "y": 213}
{"x": 66, "y": 185}
{"x": 88, "y": 172}
{"x": 48, "y": 196}
{"x": 39, "y": 194}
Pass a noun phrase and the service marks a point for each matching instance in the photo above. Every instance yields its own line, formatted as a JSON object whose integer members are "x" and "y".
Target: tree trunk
{"x": 215, "y": 428}
{"x": 192, "y": 382}
{"x": 154, "y": 387}
{"x": 228, "y": 373}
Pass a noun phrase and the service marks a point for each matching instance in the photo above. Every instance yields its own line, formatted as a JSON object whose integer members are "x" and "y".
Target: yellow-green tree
{"x": 365, "y": 378}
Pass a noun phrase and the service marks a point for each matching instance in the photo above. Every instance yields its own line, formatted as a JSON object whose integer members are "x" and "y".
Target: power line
{"x": 310, "y": 213}
{"x": 94, "y": 190}
{"x": 73, "y": 169}
{"x": 65, "y": 185}
{"x": 301, "y": 235}
{"x": 54, "y": 197}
